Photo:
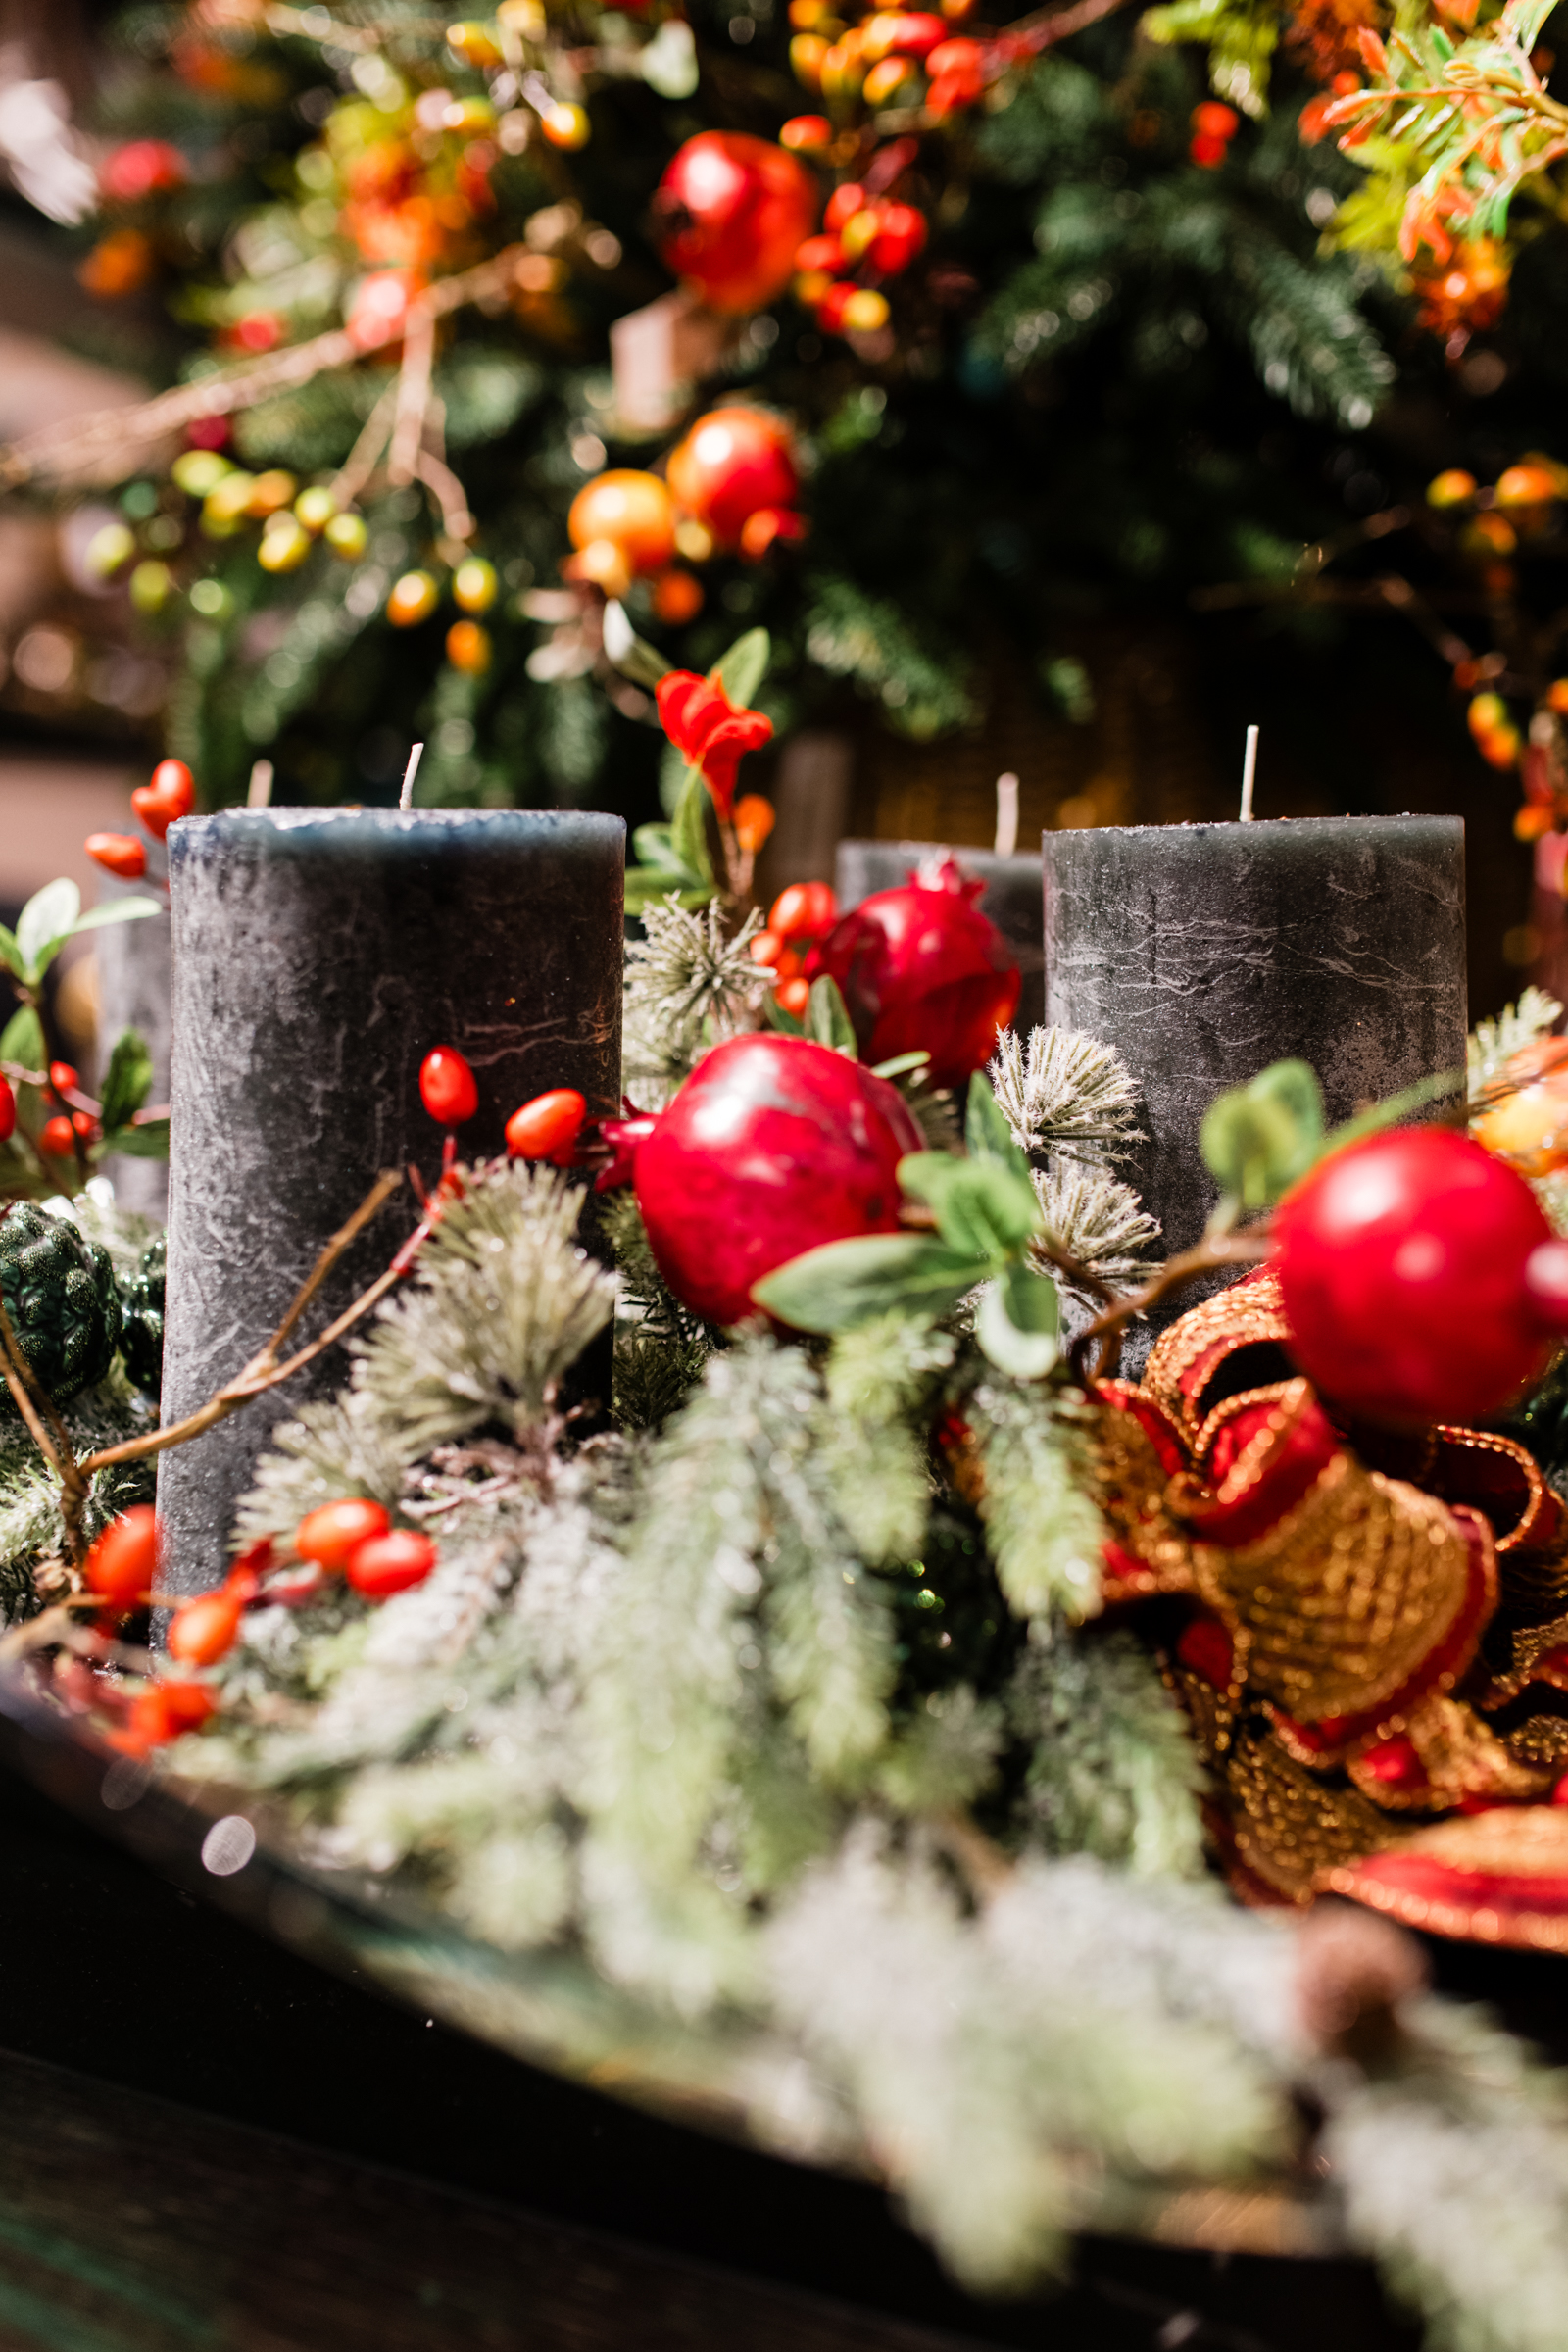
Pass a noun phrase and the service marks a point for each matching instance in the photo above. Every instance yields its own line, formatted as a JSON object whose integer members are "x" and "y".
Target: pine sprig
{"x": 1064, "y": 1088}
{"x": 1492, "y": 1044}
{"x": 1092, "y": 1217}
{"x": 1111, "y": 1767}
{"x": 1043, "y": 1531}
{"x": 690, "y": 983}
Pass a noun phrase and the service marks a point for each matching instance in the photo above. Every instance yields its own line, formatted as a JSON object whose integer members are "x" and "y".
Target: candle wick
{"x": 1006, "y": 815}
{"x": 1248, "y": 773}
{"x": 405, "y": 796}
{"x": 259, "y": 795}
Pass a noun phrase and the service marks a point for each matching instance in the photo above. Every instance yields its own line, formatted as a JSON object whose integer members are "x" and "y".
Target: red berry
{"x": 186, "y": 1706}
{"x": 772, "y": 1145}
{"x": 117, "y": 854}
{"x": 123, "y": 1562}
{"x": 328, "y": 1535}
{"x": 547, "y": 1127}
{"x": 8, "y": 1109}
{"x": 391, "y": 1563}
{"x": 170, "y": 795}
{"x": 842, "y": 205}
{"x": 57, "y": 1137}
{"x": 448, "y": 1088}
{"x": 204, "y": 1630}
{"x": 1420, "y": 1277}
{"x": 63, "y": 1078}
{"x": 803, "y": 911}
{"x": 142, "y": 168}
{"x": 899, "y": 236}
{"x": 735, "y": 209}
{"x": 1215, "y": 120}
{"x": 921, "y": 966}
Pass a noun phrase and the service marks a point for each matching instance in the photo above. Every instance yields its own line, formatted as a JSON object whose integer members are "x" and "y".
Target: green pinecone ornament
{"x": 141, "y": 1343}
{"x": 60, "y": 1297}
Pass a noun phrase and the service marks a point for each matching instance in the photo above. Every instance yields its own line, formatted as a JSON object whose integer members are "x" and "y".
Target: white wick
{"x": 1248, "y": 773}
{"x": 405, "y": 796}
{"x": 259, "y": 794}
{"x": 1006, "y": 815}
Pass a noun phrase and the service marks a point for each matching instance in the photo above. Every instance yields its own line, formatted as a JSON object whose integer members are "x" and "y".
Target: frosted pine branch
{"x": 1094, "y": 1217}
{"x": 689, "y": 986}
{"x": 1494, "y": 1043}
{"x": 1066, "y": 1090}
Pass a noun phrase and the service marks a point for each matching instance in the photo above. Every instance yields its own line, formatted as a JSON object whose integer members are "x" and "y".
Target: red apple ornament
{"x": 734, "y": 208}
{"x": 921, "y": 966}
{"x": 772, "y": 1145}
{"x": 1421, "y": 1279}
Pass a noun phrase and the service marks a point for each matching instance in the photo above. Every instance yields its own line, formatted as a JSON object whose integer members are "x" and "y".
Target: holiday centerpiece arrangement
{"x": 728, "y": 1590}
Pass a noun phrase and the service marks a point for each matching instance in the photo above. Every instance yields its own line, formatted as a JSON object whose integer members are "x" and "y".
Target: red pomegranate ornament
{"x": 734, "y": 208}
{"x": 920, "y": 967}
{"x": 1421, "y": 1279}
{"x": 772, "y": 1145}
{"x": 735, "y": 462}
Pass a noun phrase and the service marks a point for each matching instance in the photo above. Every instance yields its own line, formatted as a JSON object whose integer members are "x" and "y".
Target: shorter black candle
{"x": 1205, "y": 953}
{"x": 318, "y": 956}
{"x": 1011, "y": 900}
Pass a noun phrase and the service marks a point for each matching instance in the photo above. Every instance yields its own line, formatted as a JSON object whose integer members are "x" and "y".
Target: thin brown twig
{"x": 264, "y": 1371}
{"x": 1206, "y": 1258}
{"x": 413, "y": 395}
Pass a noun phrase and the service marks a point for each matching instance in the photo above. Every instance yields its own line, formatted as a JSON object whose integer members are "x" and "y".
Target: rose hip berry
{"x": 204, "y": 1630}
{"x": 547, "y": 1127}
{"x": 328, "y": 1536}
{"x": 447, "y": 1086}
{"x": 123, "y": 1562}
{"x": 391, "y": 1563}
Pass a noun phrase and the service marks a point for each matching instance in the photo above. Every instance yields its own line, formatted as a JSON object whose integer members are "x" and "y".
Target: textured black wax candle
{"x": 318, "y": 955}
{"x": 1011, "y": 898}
{"x": 1204, "y": 953}
{"x": 134, "y": 993}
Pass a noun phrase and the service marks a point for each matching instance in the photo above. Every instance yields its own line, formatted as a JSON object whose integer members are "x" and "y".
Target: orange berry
{"x": 677, "y": 597}
{"x": 117, "y": 854}
{"x": 630, "y": 510}
{"x": 1532, "y": 824}
{"x": 1557, "y": 696}
{"x": 469, "y": 648}
{"x": 764, "y": 947}
{"x": 413, "y": 600}
{"x": 793, "y": 997}
{"x": 328, "y": 1533}
{"x": 1525, "y": 486}
{"x": 804, "y": 912}
{"x": 754, "y": 821}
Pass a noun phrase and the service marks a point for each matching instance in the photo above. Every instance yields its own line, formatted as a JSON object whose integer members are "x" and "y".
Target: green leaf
{"x": 10, "y": 953}
{"x": 654, "y": 848}
{"x": 777, "y": 1018}
{"x": 986, "y": 1133}
{"x": 633, "y": 656}
{"x": 874, "y": 1274}
{"x": 1257, "y": 1138}
{"x": 46, "y": 922}
{"x": 743, "y": 668}
{"x": 22, "y": 1040}
{"x": 688, "y": 831}
{"x": 115, "y": 911}
{"x": 127, "y": 1081}
{"x": 826, "y": 1020}
{"x": 148, "y": 1139}
{"x": 980, "y": 1206}
{"x": 651, "y": 885}
{"x": 1019, "y": 1322}
{"x": 899, "y": 1064}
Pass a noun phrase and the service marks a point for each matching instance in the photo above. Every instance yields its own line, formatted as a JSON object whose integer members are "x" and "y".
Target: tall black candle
{"x": 318, "y": 955}
{"x": 1205, "y": 953}
{"x": 1011, "y": 898}
{"x": 134, "y": 993}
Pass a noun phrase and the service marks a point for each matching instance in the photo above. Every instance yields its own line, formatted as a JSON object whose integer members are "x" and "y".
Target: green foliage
{"x": 1042, "y": 1530}
{"x": 141, "y": 1301}
{"x": 689, "y": 985}
{"x": 1111, "y": 1769}
{"x": 1239, "y": 35}
{"x": 1259, "y": 1139}
{"x": 60, "y": 1300}
{"x": 51, "y": 916}
{"x": 1491, "y": 1044}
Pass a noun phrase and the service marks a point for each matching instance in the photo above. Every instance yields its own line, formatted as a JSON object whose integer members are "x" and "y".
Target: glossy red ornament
{"x": 772, "y": 1145}
{"x": 447, "y": 1086}
{"x": 734, "y": 462}
{"x": 734, "y": 208}
{"x": 921, "y": 966}
{"x": 1420, "y": 1277}
{"x": 390, "y": 1563}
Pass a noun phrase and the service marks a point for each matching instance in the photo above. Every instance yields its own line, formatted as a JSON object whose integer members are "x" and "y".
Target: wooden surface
{"x": 209, "y": 2145}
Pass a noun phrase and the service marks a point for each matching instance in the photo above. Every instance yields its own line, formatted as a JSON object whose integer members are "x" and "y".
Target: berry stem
{"x": 1222, "y": 1250}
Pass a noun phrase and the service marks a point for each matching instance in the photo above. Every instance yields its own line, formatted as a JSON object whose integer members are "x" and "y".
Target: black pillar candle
{"x": 1205, "y": 953}
{"x": 318, "y": 956}
{"x": 1011, "y": 898}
